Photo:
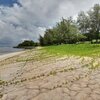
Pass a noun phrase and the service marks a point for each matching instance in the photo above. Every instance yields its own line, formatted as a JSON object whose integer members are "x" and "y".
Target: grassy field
{"x": 92, "y": 50}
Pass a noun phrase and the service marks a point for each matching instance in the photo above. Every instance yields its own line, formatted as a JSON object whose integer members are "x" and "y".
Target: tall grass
{"x": 74, "y": 49}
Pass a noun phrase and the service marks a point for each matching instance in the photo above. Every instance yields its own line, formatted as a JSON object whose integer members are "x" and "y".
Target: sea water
{"x": 6, "y": 50}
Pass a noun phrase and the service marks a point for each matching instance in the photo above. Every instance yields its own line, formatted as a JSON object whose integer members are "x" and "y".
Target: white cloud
{"x": 33, "y": 17}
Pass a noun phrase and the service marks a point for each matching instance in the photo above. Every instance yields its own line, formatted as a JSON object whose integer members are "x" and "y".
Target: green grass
{"x": 74, "y": 49}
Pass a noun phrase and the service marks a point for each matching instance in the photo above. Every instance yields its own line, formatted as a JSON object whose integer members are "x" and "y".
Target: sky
{"x": 27, "y": 19}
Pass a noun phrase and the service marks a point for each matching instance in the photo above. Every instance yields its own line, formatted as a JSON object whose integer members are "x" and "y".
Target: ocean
{"x": 6, "y": 50}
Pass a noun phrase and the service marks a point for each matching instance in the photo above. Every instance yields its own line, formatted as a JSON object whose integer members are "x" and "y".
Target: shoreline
{"x": 8, "y": 55}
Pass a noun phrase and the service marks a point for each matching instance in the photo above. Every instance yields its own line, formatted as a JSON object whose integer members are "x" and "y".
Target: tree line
{"x": 69, "y": 31}
{"x": 27, "y": 44}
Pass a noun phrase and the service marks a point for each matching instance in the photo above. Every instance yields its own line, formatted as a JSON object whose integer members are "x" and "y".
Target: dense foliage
{"x": 27, "y": 43}
{"x": 89, "y": 23}
{"x": 68, "y": 31}
{"x": 65, "y": 32}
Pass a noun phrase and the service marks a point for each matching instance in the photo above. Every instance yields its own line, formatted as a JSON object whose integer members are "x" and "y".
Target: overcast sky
{"x": 26, "y": 19}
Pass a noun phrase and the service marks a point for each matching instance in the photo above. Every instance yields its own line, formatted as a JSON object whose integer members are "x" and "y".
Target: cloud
{"x": 27, "y": 21}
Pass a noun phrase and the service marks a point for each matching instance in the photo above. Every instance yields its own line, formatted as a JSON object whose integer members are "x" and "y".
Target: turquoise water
{"x": 6, "y": 50}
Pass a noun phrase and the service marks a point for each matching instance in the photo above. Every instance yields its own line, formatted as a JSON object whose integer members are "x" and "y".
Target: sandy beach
{"x": 5, "y": 56}
{"x": 34, "y": 75}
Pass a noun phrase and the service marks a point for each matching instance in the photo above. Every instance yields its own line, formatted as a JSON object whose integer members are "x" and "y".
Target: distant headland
{"x": 27, "y": 44}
